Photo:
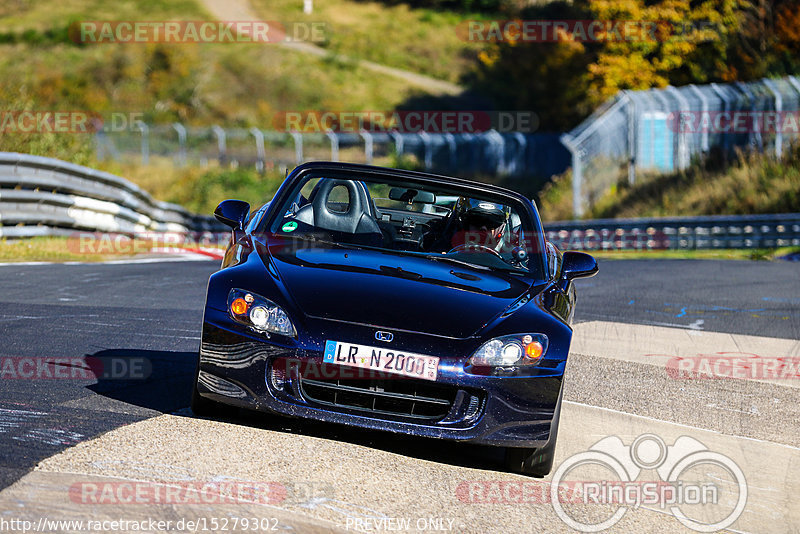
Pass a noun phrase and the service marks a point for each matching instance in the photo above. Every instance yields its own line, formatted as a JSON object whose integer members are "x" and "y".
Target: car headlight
{"x": 259, "y": 313}
{"x": 511, "y": 351}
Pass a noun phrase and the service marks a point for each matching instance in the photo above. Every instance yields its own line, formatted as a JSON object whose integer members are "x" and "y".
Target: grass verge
{"x": 64, "y": 249}
{"x": 231, "y": 84}
{"x": 714, "y": 254}
{"x": 753, "y": 184}
{"x": 423, "y": 40}
{"x": 59, "y": 249}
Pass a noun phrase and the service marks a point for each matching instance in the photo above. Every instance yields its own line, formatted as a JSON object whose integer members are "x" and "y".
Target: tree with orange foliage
{"x": 688, "y": 41}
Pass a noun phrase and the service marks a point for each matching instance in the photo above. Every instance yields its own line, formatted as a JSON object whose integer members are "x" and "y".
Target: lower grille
{"x": 393, "y": 398}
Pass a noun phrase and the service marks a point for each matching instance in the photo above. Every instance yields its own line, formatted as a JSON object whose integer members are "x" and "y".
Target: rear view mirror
{"x": 416, "y": 196}
{"x": 232, "y": 213}
{"x": 578, "y": 265}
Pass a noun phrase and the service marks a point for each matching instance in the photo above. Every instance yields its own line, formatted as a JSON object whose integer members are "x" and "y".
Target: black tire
{"x": 536, "y": 462}
{"x": 204, "y": 407}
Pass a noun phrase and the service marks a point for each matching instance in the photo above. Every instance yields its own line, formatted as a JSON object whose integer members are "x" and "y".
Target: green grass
{"x": 416, "y": 39}
{"x": 62, "y": 249}
{"x": 200, "y": 84}
{"x": 57, "y": 249}
{"x": 84, "y": 249}
{"x": 42, "y": 14}
{"x": 715, "y": 254}
{"x": 228, "y": 84}
{"x": 200, "y": 190}
{"x": 753, "y": 184}
{"x": 233, "y": 84}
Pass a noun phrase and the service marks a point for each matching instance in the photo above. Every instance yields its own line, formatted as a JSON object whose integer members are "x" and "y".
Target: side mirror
{"x": 232, "y": 213}
{"x": 577, "y": 265}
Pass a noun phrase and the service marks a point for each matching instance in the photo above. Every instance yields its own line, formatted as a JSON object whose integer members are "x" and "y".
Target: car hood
{"x": 395, "y": 291}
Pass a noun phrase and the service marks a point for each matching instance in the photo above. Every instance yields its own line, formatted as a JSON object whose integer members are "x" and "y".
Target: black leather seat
{"x": 357, "y": 221}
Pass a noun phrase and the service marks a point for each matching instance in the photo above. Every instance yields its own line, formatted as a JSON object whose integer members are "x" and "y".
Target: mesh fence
{"x": 664, "y": 130}
{"x": 489, "y": 153}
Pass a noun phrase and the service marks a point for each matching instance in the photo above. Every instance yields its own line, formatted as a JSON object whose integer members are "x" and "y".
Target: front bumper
{"x": 236, "y": 364}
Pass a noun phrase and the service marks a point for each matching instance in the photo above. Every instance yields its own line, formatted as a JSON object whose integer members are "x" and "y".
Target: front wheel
{"x": 536, "y": 462}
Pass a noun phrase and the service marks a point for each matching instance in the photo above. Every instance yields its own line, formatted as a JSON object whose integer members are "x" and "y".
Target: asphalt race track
{"x": 744, "y": 297}
{"x": 134, "y": 311}
{"x": 138, "y": 323}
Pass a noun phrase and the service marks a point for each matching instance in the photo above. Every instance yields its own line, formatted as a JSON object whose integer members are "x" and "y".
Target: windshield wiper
{"x": 314, "y": 239}
{"x": 448, "y": 259}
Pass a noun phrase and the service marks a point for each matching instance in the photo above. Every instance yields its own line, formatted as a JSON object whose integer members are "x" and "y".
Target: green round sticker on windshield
{"x": 289, "y": 227}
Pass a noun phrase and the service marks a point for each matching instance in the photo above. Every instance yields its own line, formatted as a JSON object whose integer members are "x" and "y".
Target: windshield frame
{"x": 347, "y": 171}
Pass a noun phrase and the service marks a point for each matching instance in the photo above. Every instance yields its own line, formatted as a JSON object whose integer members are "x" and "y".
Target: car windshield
{"x": 442, "y": 223}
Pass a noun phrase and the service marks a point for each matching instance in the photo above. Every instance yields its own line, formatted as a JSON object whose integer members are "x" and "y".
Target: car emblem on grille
{"x": 382, "y": 335}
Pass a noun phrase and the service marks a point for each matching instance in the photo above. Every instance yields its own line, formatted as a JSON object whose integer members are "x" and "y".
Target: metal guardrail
{"x": 677, "y": 233}
{"x": 44, "y": 196}
{"x": 489, "y": 152}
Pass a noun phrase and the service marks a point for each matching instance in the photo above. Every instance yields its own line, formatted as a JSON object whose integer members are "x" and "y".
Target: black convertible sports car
{"x": 393, "y": 300}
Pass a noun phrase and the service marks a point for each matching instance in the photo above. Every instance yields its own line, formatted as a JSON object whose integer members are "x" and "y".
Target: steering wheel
{"x": 473, "y": 246}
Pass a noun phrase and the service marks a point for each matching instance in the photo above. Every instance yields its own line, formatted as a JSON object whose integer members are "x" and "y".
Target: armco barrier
{"x": 44, "y": 196}
{"x": 686, "y": 233}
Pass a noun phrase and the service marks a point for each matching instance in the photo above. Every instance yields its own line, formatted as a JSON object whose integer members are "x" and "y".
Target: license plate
{"x": 381, "y": 359}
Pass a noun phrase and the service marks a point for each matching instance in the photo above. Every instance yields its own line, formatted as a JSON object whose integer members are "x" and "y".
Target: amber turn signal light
{"x": 239, "y": 306}
{"x": 533, "y": 350}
